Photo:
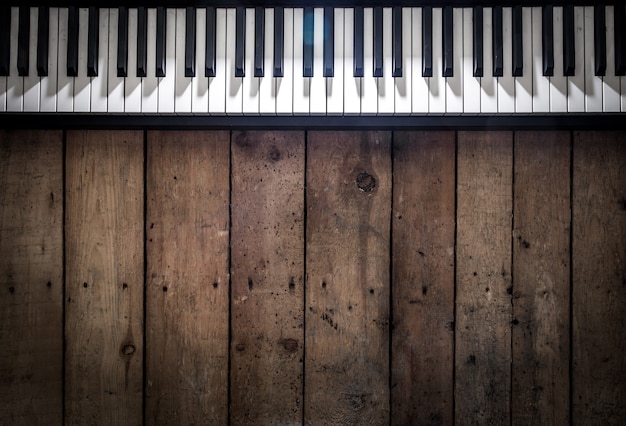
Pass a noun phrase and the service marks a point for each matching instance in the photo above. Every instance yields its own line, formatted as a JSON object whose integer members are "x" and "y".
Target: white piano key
{"x": 3, "y": 93}
{"x": 454, "y": 84}
{"x": 369, "y": 86}
{"x": 610, "y": 83}
{"x": 182, "y": 84}
{"x": 334, "y": 85}
{"x": 352, "y": 85}
{"x": 15, "y": 83}
{"x": 65, "y": 90}
{"x": 593, "y": 83}
{"x": 82, "y": 82}
{"x": 267, "y": 83}
{"x": 524, "y": 83}
{"x": 437, "y": 83}
{"x": 576, "y": 83}
{"x": 402, "y": 85}
{"x": 150, "y": 83}
{"x": 48, "y": 102}
{"x": 99, "y": 84}
{"x": 301, "y": 84}
{"x": 558, "y": 82}
{"x": 471, "y": 84}
{"x": 131, "y": 87}
{"x": 115, "y": 85}
{"x": 167, "y": 84}
{"x": 386, "y": 89}
{"x": 32, "y": 81}
{"x": 488, "y": 83}
{"x": 317, "y": 88}
{"x": 234, "y": 93}
{"x": 250, "y": 88}
{"x": 200, "y": 83}
{"x": 420, "y": 90}
{"x": 506, "y": 83}
{"x": 540, "y": 84}
{"x": 284, "y": 85}
{"x": 217, "y": 84}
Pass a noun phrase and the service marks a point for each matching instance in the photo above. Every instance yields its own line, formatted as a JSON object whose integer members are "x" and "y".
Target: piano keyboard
{"x": 313, "y": 61}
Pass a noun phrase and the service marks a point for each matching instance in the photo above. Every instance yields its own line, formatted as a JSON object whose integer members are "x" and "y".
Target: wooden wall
{"x": 324, "y": 278}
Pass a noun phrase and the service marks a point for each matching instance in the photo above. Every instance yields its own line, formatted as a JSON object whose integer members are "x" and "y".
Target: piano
{"x": 291, "y": 65}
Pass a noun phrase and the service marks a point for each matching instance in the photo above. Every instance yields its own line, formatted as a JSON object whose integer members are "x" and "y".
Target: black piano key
{"x": 620, "y": 40}
{"x": 23, "y": 37}
{"x": 599, "y": 40}
{"x": 259, "y": 41}
{"x": 93, "y": 34}
{"x": 427, "y": 41}
{"x": 142, "y": 42}
{"x": 72, "y": 42}
{"x": 478, "y": 41}
{"x": 43, "y": 30}
{"x": 122, "y": 42}
{"x": 358, "y": 42}
{"x": 448, "y": 46}
{"x": 396, "y": 46}
{"x": 378, "y": 41}
{"x": 518, "y": 52}
{"x": 547, "y": 40}
{"x": 329, "y": 42}
{"x": 5, "y": 39}
{"x": 569, "y": 46}
{"x": 209, "y": 58}
{"x": 190, "y": 42}
{"x": 307, "y": 43}
{"x": 498, "y": 67}
{"x": 279, "y": 41}
{"x": 240, "y": 42}
{"x": 160, "y": 42}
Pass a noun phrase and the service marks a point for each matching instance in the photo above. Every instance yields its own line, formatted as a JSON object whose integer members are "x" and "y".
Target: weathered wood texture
{"x": 267, "y": 271}
{"x": 187, "y": 282}
{"x": 104, "y": 277}
{"x": 31, "y": 277}
{"x": 541, "y": 279}
{"x": 599, "y": 278}
{"x": 483, "y": 280}
{"x": 347, "y": 287}
{"x": 422, "y": 364}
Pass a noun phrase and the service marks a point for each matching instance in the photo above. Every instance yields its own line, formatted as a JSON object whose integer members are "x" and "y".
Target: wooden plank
{"x": 267, "y": 272}
{"x": 423, "y": 278}
{"x": 483, "y": 287}
{"x": 104, "y": 277}
{"x": 347, "y": 288}
{"x": 187, "y": 283}
{"x": 541, "y": 290}
{"x": 599, "y": 278}
{"x": 31, "y": 277}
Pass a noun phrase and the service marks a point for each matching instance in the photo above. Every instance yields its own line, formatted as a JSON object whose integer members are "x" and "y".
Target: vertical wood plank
{"x": 187, "y": 229}
{"x": 541, "y": 287}
{"x": 31, "y": 277}
{"x": 267, "y": 270}
{"x": 423, "y": 278}
{"x": 347, "y": 290}
{"x": 483, "y": 287}
{"x": 599, "y": 278}
{"x": 104, "y": 277}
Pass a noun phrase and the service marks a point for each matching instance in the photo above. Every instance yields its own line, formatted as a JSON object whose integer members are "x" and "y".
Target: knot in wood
{"x": 128, "y": 350}
{"x": 365, "y": 182}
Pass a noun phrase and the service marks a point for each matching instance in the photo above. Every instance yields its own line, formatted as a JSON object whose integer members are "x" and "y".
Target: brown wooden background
{"x": 288, "y": 277}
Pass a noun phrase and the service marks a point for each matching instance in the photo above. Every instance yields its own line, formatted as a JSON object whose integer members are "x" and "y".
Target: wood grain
{"x": 104, "y": 277}
{"x": 423, "y": 278}
{"x": 267, "y": 271}
{"x": 483, "y": 286}
{"x": 541, "y": 288}
{"x": 187, "y": 287}
{"x": 31, "y": 277}
{"x": 347, "y": 296}
{"x": 599, "y": 278}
